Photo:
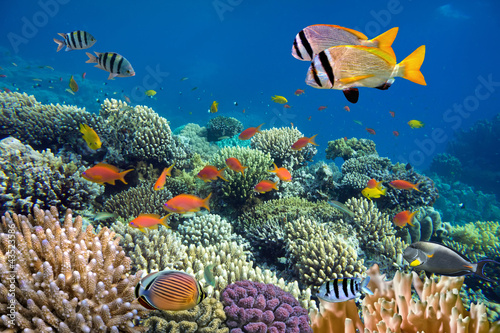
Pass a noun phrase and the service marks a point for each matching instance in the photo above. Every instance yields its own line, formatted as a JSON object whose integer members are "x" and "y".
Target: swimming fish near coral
{"x": 249, "y": 132}
{"x": 395, "y": 133}
{"x": 404, "y": 185}
{"x": 282, "y": 173}
{"x": 370, "y": 130}
{"x": 150, "y": 93}
{"x": 105, "y": 173}
{"x": 90, "y": 137}
{"x": 279, "y": 99}
{"x": 439, "y": 259}
{"x": 111, "y": 62}
{"x": 214, "y": 108}
{"x": 160, "y": 183}
{"x": 373, "y": 192}
{"x": 169, "y": 290}
{"x": 403, "y": 218}
{"x": 265, "y": 186}
{"x": 340, "y": 206}
{"x": 209, "y": 173}
{"x": 72, "y": 84}
{"x": 149, "y": 221}
{"x": 234, "y": 164}
{"x": 373, "y": 183}
{"x": 299, "y": 92}
{"x": 415, "y": 123}
{"x": 348, "y": 67}
{"x": 302, "y": 142}
{"x": 343, "y": 289}
{"x": 321, "y": 108}
{"x": 104, "y": 216}
{"x": 76, "y": 40}
{"x": 186, "y": 203}
{"x": 208, "y": 274}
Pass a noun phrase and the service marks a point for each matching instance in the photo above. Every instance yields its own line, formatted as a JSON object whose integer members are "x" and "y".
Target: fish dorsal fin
{"x": 356, "y": 33}
{"x": 156, "y": 216}
{"x": 108, "y": 166}
{"x": 375, "y": 51}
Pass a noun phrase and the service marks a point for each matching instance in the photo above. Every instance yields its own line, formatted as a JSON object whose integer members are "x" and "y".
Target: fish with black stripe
{"x": 113, "y": 63}
{"x": 76, "y": 40}
{"x": 343, "y": 289}
{"x": 316, "y": 38}
{"x": 169, "y": 290}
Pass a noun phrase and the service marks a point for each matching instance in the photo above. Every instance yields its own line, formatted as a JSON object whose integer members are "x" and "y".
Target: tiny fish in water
{"x": 347, "y": 108}
{"x": 105, "y": 173}
{"x": 279, "y": 99}
{"x": 84, "y": 75}
{"x": 302, "y": 142}
{"x": 404, "y": 185}
{"x": 111, "y": 62}
{"x": 104, "y": 216}
{"x": 70, "y": 91}
{"x": 358, "y": 122}
{"x": 299, "y": 92}
{"x": 186, "y": 203}
{"x": 234, "y": 164}
{"x": 72, "y": 84}
{"x": 184, "y": 79}
{"x": 371, "y": 131}
{"x": 214, "y": 108}
{"x": 37, "y": 79}
{"x": 210, "y": 172}
{"x": 282, "y": 173}
{"x": 415, "y": 123}
{"x": 321, "y": 108}
{"x": 169, "y": 290}
{"x": 265, "y": 186}
{"x": 160, "y": 183}
{"x": 76, "y": 40}
{"x": 249, "y": 132}
{"x": 340, "y": 206}
{"x": 150, "y": 93}
{"x": 343, "y": 289}
{"x": 393, "y": 114}
{"x": 286, "y": 106}
{"x": 90, "y": 136}
{"x": 395, "y": 133}
{"x": 208, "y": 273}
{"x": 194, "y": 88}
{"x": 149, "y": 221}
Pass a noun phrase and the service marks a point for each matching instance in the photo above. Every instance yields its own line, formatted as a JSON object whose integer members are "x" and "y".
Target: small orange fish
{"x": 286, "y": 106}
{"x": 234, "y": 164}
{"x": 72, "y": 84}
{"x": 249, "y": 132}
{"x": 160, "y": 183}
{"x": 84, "y": 75}
{"x": 149, "y": 221}
{"x": 393, "y": 114}
{"x": 321, "y": 108}
{"x": 243, "y": 111}
{"x": 105, "y": 173}
{"x": 185, "y": 203}
{"x": 282, "y": 173}
{"x": 309, "y": 118}
{"x": 396, "y": 133}
{"x": 371, "y": 131}
{"x": 372, "y": 183}
{"x": 210, "y": 173}
{"x": 403, "y": 218}
{"x": 265, "y": 186}
{"x": 302, "y": 142}
{"x": 299, "y": 92}
{"x": 347, "y": 108}
{"x": 404, "y": 185}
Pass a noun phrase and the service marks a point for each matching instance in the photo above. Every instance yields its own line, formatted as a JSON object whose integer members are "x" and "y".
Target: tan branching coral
{"x": 350, "y": 148}
{"x": 66, "y": 279}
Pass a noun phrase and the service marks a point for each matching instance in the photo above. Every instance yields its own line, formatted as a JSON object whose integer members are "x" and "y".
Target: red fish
{"x": 309, "y": 118}
{"x": 345, "y": 138}
{"x": 321, "y": 108}
{"x": 3, "y": 75}
{"x": 371, "y": 131}
{"x": 286, "y": 106}
{"x": 84, "y": 75}
{"x": 185, "y": 203}
{"x": 210, "y": 172}
{"x": 372, "y": 183}
{"x": 403, "y": 218}
{"x": 347, "y": 108}
{"x": 234, "y": 164}
{"x": 302, "y": 142}
{"x": 149, "y": 221}
{"x": 396, "y": 133}
{"x": 404, "y": 185}
{"x": 282, "y": 173}
{"x": 249, "y": 132}
{"x": 160, "y": 183}
{"x": 265, "y": 186}
{"x": 392, "y": 113}
{"x": 104, "y": 173}
{"x": 243, "y": 111}
{"x": 299, "y": 92}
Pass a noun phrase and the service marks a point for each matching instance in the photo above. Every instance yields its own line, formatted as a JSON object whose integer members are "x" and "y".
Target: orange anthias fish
{"x": 404, "y": 185}
{"x": 299, "y": 92}
{"x": 371, "y": 131}
{"x": 347, "y": 108}
{"x": 249, "y": 132}
{"x": 372, "y": 183}
{"x": 265, "y": 186}
{"x": 210, "y": 173}
{"x": 302, "y": 142}
{"x": 185, "y": 203}
{"x": 149, "y": 221}
{"x": 396, "y": 133}
{"x": 105, "y": 173}
{"x": 286, "y": 106}
{"x": 282, "y": 173}
{"x": 234, "y": 164}
{"x": 321, "y": 108}
{"x": 160, "y": 183}
{"x": 393, "y": 114}
{"x": 72, "y": 84}
{"x": 403, "y": 218}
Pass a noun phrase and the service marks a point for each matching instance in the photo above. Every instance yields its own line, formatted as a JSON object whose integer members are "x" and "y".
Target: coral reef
{"x": 195, "y": 136}
{"x": 257, "y": 307}
{"x": 67, "y": 279}
{"x": 29, "y": 177}
{"x": 350, "y": 148}
{"x": 425, "y": 225}
{"x": 221, "y": 126}
{"x": 446, "y": 166}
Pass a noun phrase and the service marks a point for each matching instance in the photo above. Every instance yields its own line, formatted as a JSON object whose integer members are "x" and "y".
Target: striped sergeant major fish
{"x": 76, "y": 40}
{"x": 343, "y": 289}
{"x": 113, "y": 63}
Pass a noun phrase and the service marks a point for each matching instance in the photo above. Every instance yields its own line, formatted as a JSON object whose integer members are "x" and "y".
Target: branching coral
{"x": 66, "y": 279}
{"x": 221, "y": 126}
{"x": 195, "y": 136}
{"x": 350, "y": 148}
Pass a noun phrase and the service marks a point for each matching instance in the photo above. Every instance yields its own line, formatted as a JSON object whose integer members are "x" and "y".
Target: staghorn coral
{"x": 206, "y": 317}
{"x": 222, "y": 126}
{"x": 30, "y": 177}
{"x": 67, "y": 279}
{"x": 317, "y": 254}
{"x": 350, "y": 148}
{"x": 278, "y": 142}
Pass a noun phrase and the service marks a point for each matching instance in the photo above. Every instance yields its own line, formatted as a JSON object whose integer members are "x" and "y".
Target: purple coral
{"x": 253, "y": 307}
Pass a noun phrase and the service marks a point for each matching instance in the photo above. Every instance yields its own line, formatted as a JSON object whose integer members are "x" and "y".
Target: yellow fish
{"x": 214, "y": 107}
{"x": 72, "y": 84}
{"x": 415, "y": 123}
{"x": 376, "y": 192}
{"x": 150, "y": 93}
{"x": 279, "y": 99}
{"x": 90, "y": 136}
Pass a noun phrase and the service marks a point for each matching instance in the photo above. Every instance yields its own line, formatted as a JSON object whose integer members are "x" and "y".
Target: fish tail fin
{"x": 258, "y": 127}
{"x": 384, "y": 190}
{"x": 221, "y": 174}
{"x": 412, "y": 215}
{"x": 386, "y": 39}
{"x": 417, "y": 186}
{"x": 122, "y": 175}
{"x": 275, "y": 186}
{"x": 480, "y": 267}
{"x": 169, "y": 170}
{"x": 311, "y": 140}
{"x": 83, "y": 128}
{"x": 92, "y": 58}
{"x": 60, "y": 44}
{"x": 243, "y": 170}
{"x": 364, "y": 286}
{"x": 409, "y": 68}
{"x": 205, "y": 202}
{"x": 164, "y": 220}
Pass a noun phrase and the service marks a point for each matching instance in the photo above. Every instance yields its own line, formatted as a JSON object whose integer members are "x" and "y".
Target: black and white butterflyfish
{"x": 76, "y": 40}
{"x": 343, "y": 289}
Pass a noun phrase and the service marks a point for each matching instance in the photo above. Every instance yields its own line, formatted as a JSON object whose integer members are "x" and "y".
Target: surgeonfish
{"x": 348, "y": 67}
{"x": 105, "y": 173}
{"x": 186, "y": 203}
{"x": 439, "y": 259}
{"x": 316, "y": 38}
{"x": 111, "y": 62}
{"x": 249, "y": 132}
{"x": 76, "y": 40}
{"x": 343, "y": 289}
{"x": 169, "y": 290}
{"x": 90, "y": 137}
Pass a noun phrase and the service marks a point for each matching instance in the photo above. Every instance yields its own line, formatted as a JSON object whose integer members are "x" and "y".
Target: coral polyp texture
{"x": 350, "y": 148}
{"x": 254, "y": 307}
{"x": 66, "y": 279}
{"x": 222, "y": 127}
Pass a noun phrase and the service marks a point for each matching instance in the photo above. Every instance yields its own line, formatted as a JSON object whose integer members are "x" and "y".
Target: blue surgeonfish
{"x": 343, "y": 289}
{"x": 439, "y": 259}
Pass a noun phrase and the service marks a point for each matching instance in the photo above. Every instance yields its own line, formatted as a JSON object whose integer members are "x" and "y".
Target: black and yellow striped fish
{"x": 170, "y": 291}
{"x": 113, "y": 63}
{"x": 76, "y": 40}
{"x": 344, "y": 289}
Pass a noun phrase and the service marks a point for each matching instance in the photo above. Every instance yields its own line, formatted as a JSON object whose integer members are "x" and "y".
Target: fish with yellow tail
{"x": 169, "y": 290}
{"x": 90, "y": 137}
{"x": 439, "y": 259}
{"x": 149, "y": 221}
{"x": 105, "y": 173}
{"x": 343, "y": 289}
{"x": 348, "y": 67}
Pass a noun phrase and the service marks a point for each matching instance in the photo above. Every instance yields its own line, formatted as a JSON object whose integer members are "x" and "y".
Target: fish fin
{"x": 274, "y": 186}
{"x": 409, "y": 68}
{"x": 169, "y": 170}
{"x": 60, "y": 44}
{"x": 67, "y": 49}
{"x": 164, "y": 221}
{"x": 480, "y": 267}
{"x": 385, "y": 41}
{"x": 112, "y": 182}
{"x": 311, "y": 140}
{"x": 410, "y": 222}
{"x": 221, "y": 174}
{"x": 430, "y": 255}
{"x": 258, "y": 128}
{"x": 62, "y": 34}
{"x": 92, "y": 59}
{"x": 384, "y": 191}
{"x": 122, "y": 175}
{"x": 384, "y": 86}
{"x": 112, "y": 76}
{"x": 352, "y": 95}
{"x": 417, "y": 186}
{"x": 415, "y": 262}
{"x": 348, "y": 80}
{"x": 156, "y": 216}
{"x": 205, "y": 202}
{"x": 83, "y": 129}
{"x": 364, "y": 286}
